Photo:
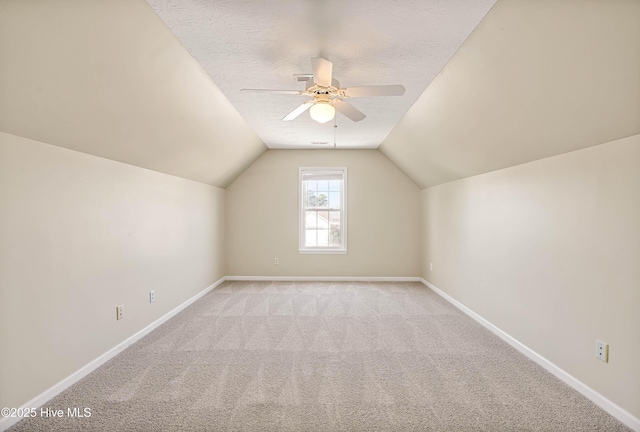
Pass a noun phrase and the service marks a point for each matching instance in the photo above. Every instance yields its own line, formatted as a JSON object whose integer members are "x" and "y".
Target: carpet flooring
{"x": 322, "y": 356}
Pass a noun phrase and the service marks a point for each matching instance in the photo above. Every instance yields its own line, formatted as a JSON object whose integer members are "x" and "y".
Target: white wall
{"x": 80, "y": 235}
{"x": 549, "y": 252}
{"x": 383, "y": 211}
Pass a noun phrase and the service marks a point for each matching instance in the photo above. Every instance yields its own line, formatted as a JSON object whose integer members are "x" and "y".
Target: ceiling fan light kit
{"x": 322, "y": 112}
{"x": 328, "y": 96}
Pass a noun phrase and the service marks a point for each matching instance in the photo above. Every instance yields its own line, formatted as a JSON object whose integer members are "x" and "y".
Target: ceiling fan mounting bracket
{"x": 303, "y": 77}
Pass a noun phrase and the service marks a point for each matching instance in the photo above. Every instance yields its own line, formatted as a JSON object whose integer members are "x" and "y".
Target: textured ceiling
{"x": 261, "y": 44}
{"x": 535, "y": 79}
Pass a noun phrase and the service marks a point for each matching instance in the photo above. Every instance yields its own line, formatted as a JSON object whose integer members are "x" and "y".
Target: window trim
{"x": 302, "y": 249}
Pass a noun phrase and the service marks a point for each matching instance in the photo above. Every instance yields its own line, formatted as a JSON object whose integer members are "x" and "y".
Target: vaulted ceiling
{"x": 157, "y": 84}
{"x": 108, "y": 78}
{"x": 262, "y": 44}
{"x": 535, "y": 79}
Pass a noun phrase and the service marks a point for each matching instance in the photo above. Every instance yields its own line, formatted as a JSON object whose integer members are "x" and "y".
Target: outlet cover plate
{"x": 602, "y": 351}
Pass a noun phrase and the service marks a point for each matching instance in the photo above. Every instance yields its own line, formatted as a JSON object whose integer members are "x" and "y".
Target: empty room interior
{"x": 302, "y": 215}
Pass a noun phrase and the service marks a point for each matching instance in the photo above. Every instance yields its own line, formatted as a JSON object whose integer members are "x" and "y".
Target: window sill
{"x": 321, "y": 251}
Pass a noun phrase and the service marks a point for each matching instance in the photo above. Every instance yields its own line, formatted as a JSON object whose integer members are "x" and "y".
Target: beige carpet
{"x": 295, "y": 356}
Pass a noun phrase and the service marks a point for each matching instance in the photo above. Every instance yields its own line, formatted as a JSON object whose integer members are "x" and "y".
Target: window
{"x": 323, "y": 212}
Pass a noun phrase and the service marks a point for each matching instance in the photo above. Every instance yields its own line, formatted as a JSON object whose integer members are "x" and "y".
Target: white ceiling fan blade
{"x": 322, "y": 71}
{"x": 296, "y": 112}
{"x": 291, "y": 92}
{"x": 348, "y": 110}
{"x": 380, "y": 90}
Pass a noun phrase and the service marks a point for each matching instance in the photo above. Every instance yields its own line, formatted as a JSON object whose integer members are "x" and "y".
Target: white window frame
{"x": 342, "y": 249}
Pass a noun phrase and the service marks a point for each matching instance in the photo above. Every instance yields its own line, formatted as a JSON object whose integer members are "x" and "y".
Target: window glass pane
{"x": 310, "y": 238}
{"x": 334, "y": 200}
{"x": 323, "y": 237}
{"x": 305, "y": 195}
{"x": 312, "y": 185}
{"x": 334, "y": 236}
{"x": 334, "y": 229}
{"x": 323, "y": 200}
{"x": 323, "y": 186}
{"x": 323, "y": 220}
{"x": 334, "y": 185}
{"x": 310, "y": 199}
{"x": 310, "y": 219}
{"x": 334, "y": 218}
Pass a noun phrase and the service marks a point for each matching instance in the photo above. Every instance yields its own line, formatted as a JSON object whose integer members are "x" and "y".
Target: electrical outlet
{"x": 602, "y": 351}
{"x": 152, "y": 296}
{"x": 431, "y": 266}
{"x": 119, "y": 312}
{"x": 275, "y": 261}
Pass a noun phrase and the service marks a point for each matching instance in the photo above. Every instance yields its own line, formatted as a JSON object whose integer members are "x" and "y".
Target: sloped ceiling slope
{"x": 261, "y": 44}
{"x": 109, "y": 79}
{"x": 535, "y": 79}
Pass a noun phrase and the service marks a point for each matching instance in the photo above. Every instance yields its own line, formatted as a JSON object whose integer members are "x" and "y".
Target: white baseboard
{"x": 616, "y": 411}
{"x": 44, "y": 397}
{"x": 326, "y": 278}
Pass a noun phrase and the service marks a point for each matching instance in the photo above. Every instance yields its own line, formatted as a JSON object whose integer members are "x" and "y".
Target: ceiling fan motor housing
{"x": 312, "y": 87}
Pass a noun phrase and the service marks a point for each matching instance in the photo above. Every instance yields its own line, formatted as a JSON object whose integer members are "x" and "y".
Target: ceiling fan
{"x": 327, "y": 96}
